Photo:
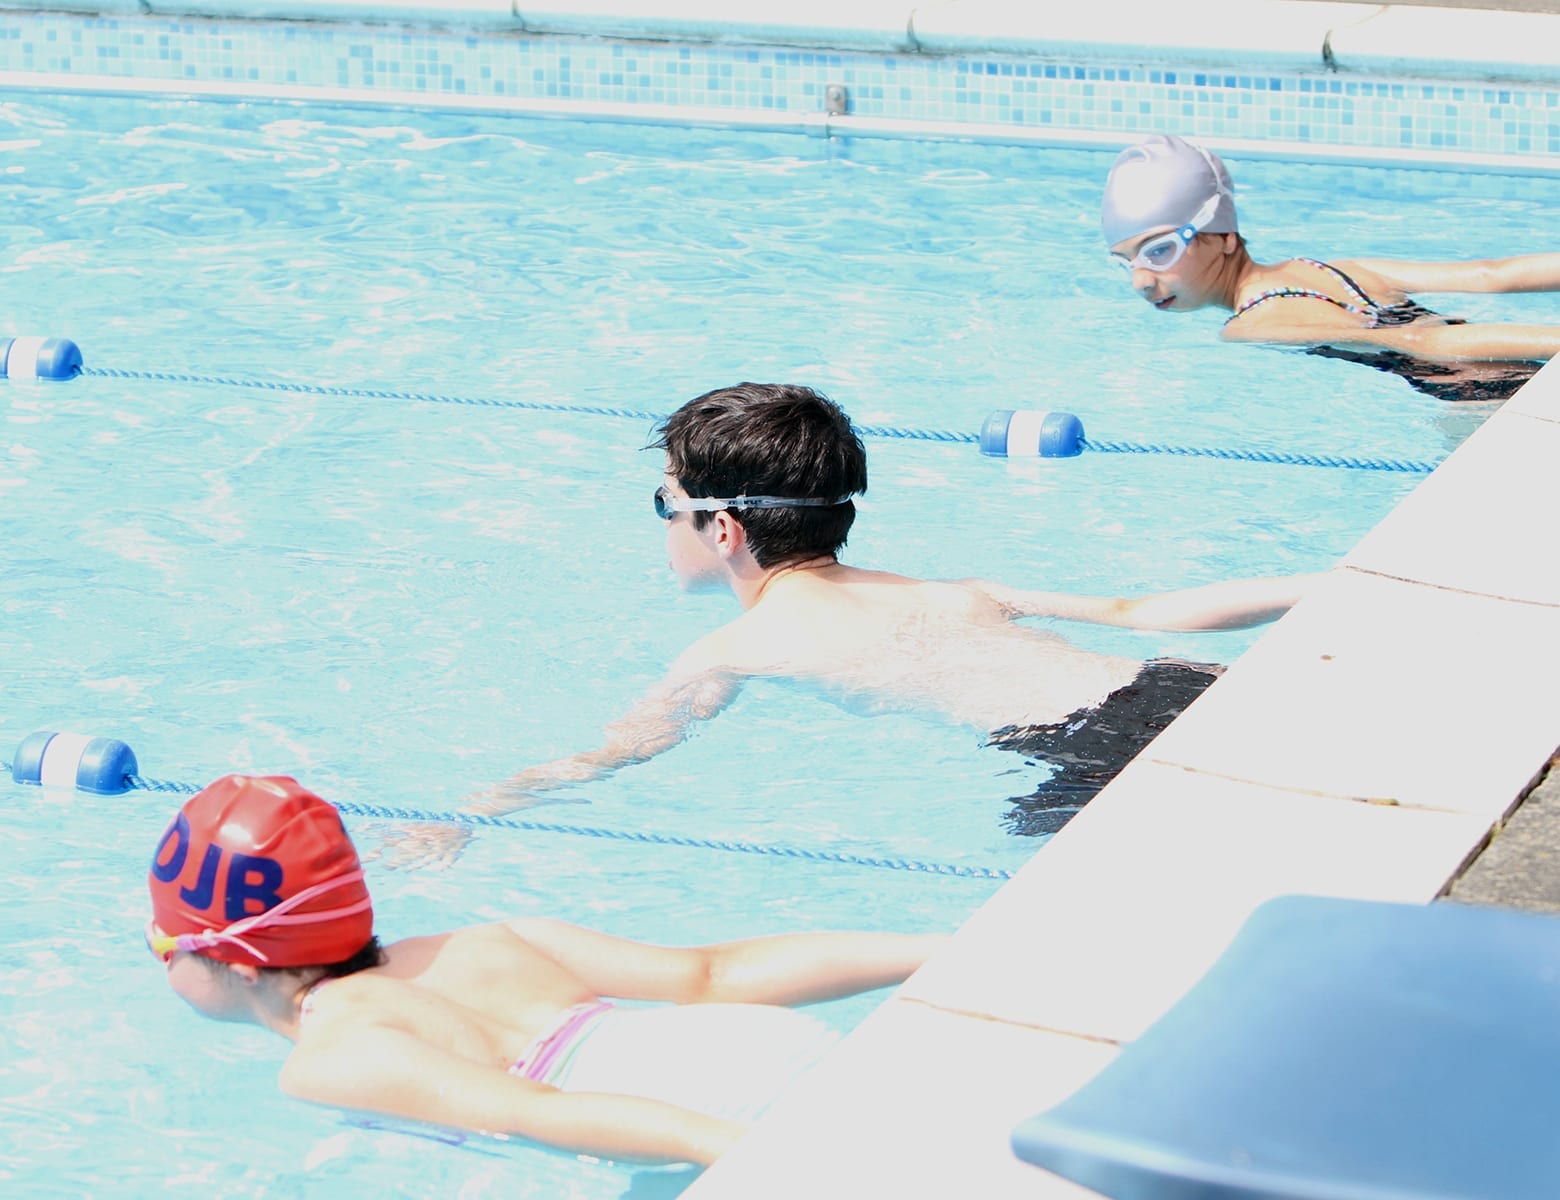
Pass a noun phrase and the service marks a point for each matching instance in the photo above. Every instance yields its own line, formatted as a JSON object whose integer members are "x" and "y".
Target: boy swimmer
{"x": 757, "y": 500}
{"x": 1169, "y": 219}
{"x": 261, "y": 914}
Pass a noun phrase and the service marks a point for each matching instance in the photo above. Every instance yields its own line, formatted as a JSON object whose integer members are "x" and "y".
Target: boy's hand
{"x": 433, "y": 844}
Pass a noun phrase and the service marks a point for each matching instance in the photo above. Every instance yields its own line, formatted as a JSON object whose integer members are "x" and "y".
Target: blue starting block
{"x": 1338, "y": 1050}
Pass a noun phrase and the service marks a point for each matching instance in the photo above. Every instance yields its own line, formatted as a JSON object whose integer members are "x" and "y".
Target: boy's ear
{"x": 730, "y": 537}
{"x": 248, "y": 972}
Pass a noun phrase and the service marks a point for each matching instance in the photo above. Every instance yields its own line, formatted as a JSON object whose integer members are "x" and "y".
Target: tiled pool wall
{"x": 990, "y": 96}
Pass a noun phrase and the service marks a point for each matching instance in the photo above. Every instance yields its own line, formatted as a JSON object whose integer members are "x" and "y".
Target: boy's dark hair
{"x": 770, "y": 439}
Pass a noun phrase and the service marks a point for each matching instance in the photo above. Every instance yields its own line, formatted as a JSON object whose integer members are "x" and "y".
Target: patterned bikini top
{"x": 1485, "y": 381}
{"x": 1381, "y": 316}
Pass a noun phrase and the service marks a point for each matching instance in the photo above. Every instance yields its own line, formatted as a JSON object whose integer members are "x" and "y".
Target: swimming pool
{"x": 249, "y": 578}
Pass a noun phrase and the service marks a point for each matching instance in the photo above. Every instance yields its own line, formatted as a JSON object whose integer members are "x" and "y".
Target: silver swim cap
{"x": 1167, "y": 181}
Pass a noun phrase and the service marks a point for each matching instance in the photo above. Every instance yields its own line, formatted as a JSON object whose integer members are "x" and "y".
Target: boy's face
{"x": 691, "y": 552}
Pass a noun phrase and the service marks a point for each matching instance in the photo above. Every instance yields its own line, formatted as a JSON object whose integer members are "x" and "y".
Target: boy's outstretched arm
{"x": 660, "y": 720}
{"x": 1233, "y": 604}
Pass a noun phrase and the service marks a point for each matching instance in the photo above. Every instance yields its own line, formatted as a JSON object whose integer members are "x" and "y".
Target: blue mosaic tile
{"x": 1109, "y": 98}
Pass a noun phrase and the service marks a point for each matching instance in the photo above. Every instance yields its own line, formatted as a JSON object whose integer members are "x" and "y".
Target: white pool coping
{"x": 1255, "y": 34}
{"x": 1365, "y": 746}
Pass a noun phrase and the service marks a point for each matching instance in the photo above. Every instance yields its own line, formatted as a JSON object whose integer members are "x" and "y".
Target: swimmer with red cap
{"x": 261, "y": 914}
{"x": 1169, "y": 219}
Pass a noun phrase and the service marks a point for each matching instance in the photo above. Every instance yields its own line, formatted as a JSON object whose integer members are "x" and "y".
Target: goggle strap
{"x": 716, "y": 503}
{"x": 1205, "y": 213}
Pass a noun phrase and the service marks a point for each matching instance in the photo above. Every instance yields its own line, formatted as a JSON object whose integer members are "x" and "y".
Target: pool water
{"x": 399, "y": 600}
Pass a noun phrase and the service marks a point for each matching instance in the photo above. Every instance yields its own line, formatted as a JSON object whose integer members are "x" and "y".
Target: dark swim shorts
{"x": 1091, "y": 745}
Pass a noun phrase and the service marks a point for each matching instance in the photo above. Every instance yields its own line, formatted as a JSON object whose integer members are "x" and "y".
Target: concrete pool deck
{"x": 1369, "y": 745}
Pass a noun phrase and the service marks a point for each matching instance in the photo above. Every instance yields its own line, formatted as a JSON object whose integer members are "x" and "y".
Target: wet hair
{"x": 371, "y": 955}
{"x": 770, "y": 439}
{"x": 1240, "y": 239}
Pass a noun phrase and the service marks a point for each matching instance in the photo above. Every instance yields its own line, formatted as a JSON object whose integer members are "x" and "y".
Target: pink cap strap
{"x": 280, "y": 914}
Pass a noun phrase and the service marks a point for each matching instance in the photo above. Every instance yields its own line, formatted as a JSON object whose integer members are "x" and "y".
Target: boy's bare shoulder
{"x": 963, "y": 597}
{"x": 721, "y": 651}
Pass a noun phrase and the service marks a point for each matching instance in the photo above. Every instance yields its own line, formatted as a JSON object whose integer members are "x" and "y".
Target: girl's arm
{"x": 388, "y": 1070}
{"x": 1522, "y": 273}
{"x": 797, "y": 968}
{"x": 1461, "y": 343}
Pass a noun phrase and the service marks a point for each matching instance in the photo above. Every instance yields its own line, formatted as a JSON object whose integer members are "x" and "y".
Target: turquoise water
{"x": 399, "y": 600}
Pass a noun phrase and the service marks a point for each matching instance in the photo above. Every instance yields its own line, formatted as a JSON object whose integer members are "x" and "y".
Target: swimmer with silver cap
{"x": 1168, "y": 216}
{"x": 260, "y": 914}
{"x": 1160, "y": 195}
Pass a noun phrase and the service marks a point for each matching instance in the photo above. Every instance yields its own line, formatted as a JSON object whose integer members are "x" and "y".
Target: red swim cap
{"x": 260, "y": 870}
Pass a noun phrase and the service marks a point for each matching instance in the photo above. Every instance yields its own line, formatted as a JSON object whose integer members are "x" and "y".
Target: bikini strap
{"x": 306, "y": 1005}
{"x": 1370, "y": 307}
{"x": 1294, "y": 293}
{"x": 1360, "y": 293}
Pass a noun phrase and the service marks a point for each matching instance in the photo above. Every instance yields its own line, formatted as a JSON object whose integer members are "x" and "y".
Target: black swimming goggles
{"x": 667, "y": 505}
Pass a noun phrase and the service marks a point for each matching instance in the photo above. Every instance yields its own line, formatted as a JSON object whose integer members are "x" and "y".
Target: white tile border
{"x": 918, "y": 1102}
{"x": 1111, "y": 923}
{"x": 1239, "y": 34}
{"x": 1540, "y": 400}
{"x": 1448, "y": 42}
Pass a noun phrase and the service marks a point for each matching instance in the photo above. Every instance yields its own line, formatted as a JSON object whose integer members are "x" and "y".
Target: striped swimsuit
{"x": 1474, "y": 381}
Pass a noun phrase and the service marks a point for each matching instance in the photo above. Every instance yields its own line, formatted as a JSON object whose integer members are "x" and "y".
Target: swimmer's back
{"x": 482, "y": 993}
{"x": 885, "y": 642}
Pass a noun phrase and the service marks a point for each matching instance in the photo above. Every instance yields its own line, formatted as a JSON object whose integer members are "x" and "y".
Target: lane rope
{"x": 1344, "y": 462}
{"x": 647, "y": 837}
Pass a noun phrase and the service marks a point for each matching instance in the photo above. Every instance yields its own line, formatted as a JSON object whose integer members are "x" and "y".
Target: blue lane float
{"x": 1029, "y": 433}
{"x": 102, "y": 766}
{"x": 39, "y": 358}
